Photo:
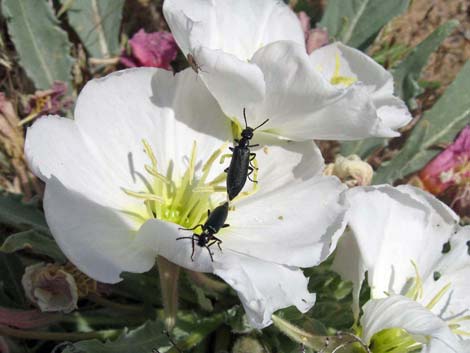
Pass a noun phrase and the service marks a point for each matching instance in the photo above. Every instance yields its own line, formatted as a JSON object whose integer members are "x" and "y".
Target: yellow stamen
{"x": 337, "y": 79}
{"x": 149, "y": 153}
{"x": 416, "y": 290}
{"x": 143, "y": 195}
{"x": 438, "y": 296}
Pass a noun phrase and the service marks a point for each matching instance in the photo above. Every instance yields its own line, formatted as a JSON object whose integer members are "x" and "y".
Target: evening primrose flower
{"x": 142, "y": 159}
{"x": 418, "y": 262}
{"x": 246, "y": 62}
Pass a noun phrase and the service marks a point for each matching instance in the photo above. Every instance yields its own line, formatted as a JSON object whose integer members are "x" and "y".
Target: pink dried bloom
{"x": 314, "y": 38}
{"x": 156, "y": 49}
{"x": 51, "y": 101}
{"x": 449, "y": 168}
{"x": 304, "y": 22}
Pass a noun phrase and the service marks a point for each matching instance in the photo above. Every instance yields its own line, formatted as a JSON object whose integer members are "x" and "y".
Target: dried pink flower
{"x": 314, "y": 38}
{"x": 317, "y": 38}
{"x": 304, "y": 22}
{"x": 450, "y": 167}
{"x": 51, "y": 101}
{"x": 156, "y": 49}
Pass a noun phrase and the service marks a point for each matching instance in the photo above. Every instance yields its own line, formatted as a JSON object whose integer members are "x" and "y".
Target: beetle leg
{"x": 255, "y": 145}
{"x": 249, "y": 173}
{"x": 226, "y": 225}
{"x": 199, "y": 225}
{"x": 208, "y": 213}
{"x": 192, "y": 254}
{"x": 210, "y": 253}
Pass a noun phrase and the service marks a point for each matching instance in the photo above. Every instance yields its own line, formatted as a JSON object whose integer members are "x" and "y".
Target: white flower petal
{"x": 400, "y": 312}
{"x": 235, "y": 83}
{"x": 237, "y": 27}
{"x": 305, "y": 217}
{"x": 170, "y": 112}
{"x": 393, "y": 111}
{"x": 55, "y": 147}
{"x": 99, "y": 240}
{"x": 301, "y": 104}
{"x": 264, "y": 287}
{"x": 282, "y": 162}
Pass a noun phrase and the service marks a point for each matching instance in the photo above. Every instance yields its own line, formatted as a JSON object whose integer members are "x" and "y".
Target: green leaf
{"x": 42, "y": 46}
{"x": 142, "y": 339}
{"x": 35, "y": 242}
{"x": 363, "y": 148}
{"x": 438, "y": 125}
{"x": 189, "y": 331}
{"x": 97, "y": 23}
{"x": 357, "y": 22}
{"x": 406, "y": 74}
{"x": 11, "y": 290}
{"x": 18, "y": 214}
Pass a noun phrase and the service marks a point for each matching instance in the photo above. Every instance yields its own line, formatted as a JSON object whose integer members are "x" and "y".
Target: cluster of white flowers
{"x": 142, "y": 158}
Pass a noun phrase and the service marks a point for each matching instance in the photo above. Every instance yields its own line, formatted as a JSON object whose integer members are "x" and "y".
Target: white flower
{"x": 344, "y": 66}
{"x": 141, "y": 159}
{"x": 251, "y": 54}
{"x": 417, "y": 261}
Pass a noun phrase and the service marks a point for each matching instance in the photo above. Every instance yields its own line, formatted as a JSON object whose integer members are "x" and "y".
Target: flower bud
{"x": 351, "y": 170}
{"x": 247, "y": 344}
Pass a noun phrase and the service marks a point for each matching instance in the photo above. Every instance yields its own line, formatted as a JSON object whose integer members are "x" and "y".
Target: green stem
{"x": 169, "y": 274}
{"x": 57, "y": 336}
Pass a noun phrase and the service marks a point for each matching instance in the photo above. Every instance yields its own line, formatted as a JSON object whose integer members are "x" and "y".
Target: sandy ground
{"x": 421, "y": 19}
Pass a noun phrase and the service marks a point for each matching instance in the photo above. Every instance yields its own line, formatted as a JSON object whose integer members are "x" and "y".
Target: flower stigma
{"x": 337, "y": 79}
{"x": 185, "y": 201}
{"x": 393, "y": 340}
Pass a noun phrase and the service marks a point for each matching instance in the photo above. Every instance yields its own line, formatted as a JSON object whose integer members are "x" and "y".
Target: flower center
{"x": 184, "y": 201}
{"x": 393, "y": 340}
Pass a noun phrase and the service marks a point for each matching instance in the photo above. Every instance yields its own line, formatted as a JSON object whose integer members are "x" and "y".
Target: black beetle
{"x": 215, "y": 221}
{"x": 240, "y": 166}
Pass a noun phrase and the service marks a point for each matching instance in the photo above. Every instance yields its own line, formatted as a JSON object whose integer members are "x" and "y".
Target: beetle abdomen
{"x": 237, "y": 171}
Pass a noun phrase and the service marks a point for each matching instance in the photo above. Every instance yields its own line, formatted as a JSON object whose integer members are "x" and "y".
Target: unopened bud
{"x": 351, "y": 170}
{"x": 50, "y": 287}
{"x": 247, "y": 344}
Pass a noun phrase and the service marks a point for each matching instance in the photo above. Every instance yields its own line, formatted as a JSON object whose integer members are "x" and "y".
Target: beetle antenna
{"x": 264, "y": 122}
{"x": 244, "y": 117}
